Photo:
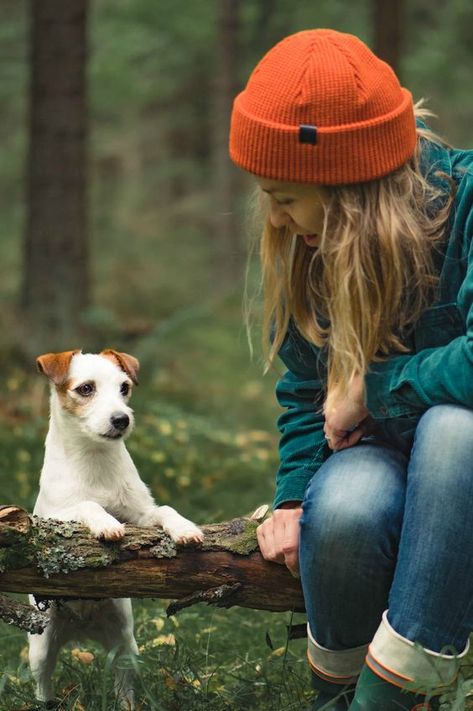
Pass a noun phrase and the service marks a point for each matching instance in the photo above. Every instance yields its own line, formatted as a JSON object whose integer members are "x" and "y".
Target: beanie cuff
{"x": 350, "y": 153}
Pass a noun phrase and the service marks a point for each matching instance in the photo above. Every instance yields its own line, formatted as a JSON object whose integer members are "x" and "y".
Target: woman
{"x": 368, "y": 286}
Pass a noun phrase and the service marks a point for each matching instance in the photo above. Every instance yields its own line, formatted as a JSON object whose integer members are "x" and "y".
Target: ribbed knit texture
{"x": 364, "y": 118}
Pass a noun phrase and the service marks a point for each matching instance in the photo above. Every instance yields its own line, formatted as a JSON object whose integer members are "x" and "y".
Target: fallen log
{"x": 52, "y": 559}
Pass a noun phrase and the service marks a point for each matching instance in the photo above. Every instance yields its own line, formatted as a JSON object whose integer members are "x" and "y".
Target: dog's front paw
{"x": 107, "y": 528}
{"x": 185, "y": 531}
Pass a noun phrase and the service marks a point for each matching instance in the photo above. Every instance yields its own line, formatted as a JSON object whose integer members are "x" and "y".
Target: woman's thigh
{"x": 431, "y": 599}
{"x": 350, "y": 529}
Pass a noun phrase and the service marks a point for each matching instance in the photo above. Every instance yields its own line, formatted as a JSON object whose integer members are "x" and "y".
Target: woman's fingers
{"x": 267, "y": 541}
{"x": 278, "y": 538}
{"x": 290, "y": 545}
{"x": 348, "y": 439}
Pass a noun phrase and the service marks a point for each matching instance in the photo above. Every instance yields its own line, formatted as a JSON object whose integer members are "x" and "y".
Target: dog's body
{"x": 89, "y": 476}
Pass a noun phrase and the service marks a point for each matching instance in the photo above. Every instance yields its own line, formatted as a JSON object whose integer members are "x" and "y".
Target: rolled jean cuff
{"x": 340, "y": 666}
{"x": 398, "y": 660}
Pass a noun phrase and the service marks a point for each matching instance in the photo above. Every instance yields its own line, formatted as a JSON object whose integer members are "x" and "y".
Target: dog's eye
{"x": 86, "y": 389}
{"x": 125, "y": 388}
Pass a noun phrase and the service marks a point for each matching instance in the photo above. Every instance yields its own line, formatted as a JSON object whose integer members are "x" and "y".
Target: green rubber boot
{"x": 338, "y": 701}
{"x": 374, "y": 694}
{"x": 331, "y": 697}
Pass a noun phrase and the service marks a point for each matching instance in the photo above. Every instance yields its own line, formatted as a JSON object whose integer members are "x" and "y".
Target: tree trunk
{"x": 228, "y": 249}
{"x": 54, "y": 559}
{"x": 388, "y": 21}
{"x": 55, "y": 275}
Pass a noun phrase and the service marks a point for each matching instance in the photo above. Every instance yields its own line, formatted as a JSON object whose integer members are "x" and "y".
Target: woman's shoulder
{"x": 298, "y": 354}
{"x": 462, "y": 164}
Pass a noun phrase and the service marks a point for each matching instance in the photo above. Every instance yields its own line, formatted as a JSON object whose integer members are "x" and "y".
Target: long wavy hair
{"x": 371, "y": 276}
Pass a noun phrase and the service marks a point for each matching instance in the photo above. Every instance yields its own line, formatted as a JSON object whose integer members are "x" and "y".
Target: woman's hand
{"x": 346, "y": 417}
{"x": 278, "y": 536}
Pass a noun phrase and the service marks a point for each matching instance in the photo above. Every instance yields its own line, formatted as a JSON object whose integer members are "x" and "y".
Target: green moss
{"x": 16, "y": 556}
{"x": 239, "y": 537}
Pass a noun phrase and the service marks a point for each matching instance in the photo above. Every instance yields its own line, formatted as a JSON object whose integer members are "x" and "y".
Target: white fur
{"x": 88, "y": 476}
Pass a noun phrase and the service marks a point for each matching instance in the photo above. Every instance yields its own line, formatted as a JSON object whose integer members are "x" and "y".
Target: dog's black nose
{"x": 120, "y": 421}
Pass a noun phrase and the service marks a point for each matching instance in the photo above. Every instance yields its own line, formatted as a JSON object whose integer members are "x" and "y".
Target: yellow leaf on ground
{"x": 164, "y": 639}
{"x": 169, "y": 681}
{"x": 158, "y": 622}
{"x": 82, "y": 657}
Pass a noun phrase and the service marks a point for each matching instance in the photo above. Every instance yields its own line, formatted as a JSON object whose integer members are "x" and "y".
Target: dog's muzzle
{"x": 120, "y": 421}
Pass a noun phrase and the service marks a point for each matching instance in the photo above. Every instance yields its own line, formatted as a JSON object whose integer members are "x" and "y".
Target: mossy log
{"x": 54, "y": 559}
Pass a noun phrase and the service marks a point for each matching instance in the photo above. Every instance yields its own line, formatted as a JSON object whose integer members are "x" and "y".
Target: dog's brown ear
{"x": 56, "y": 365}
{"x": 128, "y": 363}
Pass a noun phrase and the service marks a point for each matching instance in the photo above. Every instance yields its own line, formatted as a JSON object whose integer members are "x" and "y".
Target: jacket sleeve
{"x": 410, "y": 384}
{"x": 302, "y": 447}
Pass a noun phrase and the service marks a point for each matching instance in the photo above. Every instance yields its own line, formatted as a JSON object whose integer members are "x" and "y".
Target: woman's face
{"x": 298, "y": 206}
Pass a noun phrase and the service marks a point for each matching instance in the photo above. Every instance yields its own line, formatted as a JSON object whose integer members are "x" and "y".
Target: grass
{"x": 205, "y": 440}
{"x": 203, "y": 659}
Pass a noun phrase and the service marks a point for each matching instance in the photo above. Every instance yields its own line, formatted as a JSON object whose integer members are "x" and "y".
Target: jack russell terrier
{"x": 88, "y": 476}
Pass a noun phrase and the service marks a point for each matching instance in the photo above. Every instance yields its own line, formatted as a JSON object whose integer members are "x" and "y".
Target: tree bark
{"x": 229, "y": 249}
{"x": 388, "y": 24}
{"x": 55, "y": 271}
{"x": 23, "y": 616}
{"x": 53, "y": 559}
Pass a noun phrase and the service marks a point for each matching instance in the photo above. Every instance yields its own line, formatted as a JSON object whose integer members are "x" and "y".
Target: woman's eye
{"x": 124, "y": 389}
{"x": 86, "y": 389}
{"x": 284, "y": 202}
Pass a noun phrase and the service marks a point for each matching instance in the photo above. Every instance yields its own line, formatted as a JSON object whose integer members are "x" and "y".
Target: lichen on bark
{"x": 61, "y": 547}
{"x": 236, "y": 536}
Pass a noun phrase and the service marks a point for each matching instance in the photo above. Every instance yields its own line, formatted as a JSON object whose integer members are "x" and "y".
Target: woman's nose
{"x": 278, "y": 216}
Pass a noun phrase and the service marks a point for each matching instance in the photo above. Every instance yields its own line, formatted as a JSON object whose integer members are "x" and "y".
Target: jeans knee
{"x": 445, "y": 432}
{"x": 337, "y": 529}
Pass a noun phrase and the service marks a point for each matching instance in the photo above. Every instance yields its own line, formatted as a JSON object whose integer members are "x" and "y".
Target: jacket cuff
{"x": 386, "y": 395}
{"x": 292, "y": 487}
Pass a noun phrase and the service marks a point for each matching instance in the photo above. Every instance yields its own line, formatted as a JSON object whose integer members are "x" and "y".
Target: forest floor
{"x": 205, "y": 441}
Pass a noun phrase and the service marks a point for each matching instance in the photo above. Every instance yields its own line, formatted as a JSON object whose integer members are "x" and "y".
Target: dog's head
{"x": 94, "y": 390}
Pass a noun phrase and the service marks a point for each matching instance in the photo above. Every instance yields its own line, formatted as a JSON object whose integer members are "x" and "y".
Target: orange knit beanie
{"x": 320, "y": 107}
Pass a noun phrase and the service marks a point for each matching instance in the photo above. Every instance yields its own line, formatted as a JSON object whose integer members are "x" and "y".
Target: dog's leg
{"x": 43, "y": 651}
{"x": 179, "y": 528}
{"x": 115, "y": 633}
{"x": 94, "y": 516}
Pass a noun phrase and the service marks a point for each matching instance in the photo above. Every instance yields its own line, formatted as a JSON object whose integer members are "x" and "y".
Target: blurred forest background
{"x": 124, "y": 224}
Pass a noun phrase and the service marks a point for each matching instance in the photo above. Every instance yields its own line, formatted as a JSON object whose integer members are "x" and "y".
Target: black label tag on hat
{"x": 307, "y": 134}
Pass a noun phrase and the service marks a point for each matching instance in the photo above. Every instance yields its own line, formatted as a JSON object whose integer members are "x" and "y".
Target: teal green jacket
{"x": 438, "y": 368}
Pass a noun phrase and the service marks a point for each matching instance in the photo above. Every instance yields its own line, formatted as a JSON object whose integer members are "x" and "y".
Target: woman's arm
{"x": 302, "y": 450}
{"x": 406, "y": 385}
{"x": 302, "y": 446}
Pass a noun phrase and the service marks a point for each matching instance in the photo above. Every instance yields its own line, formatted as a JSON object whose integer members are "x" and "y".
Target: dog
{"x": 88, "y": 476}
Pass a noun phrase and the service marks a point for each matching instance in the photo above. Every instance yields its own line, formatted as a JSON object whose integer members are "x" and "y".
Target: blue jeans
{"x": 387, "y": 525}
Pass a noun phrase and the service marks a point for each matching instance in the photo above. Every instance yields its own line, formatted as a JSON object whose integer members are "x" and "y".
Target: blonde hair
{"x": 369, "y": 279}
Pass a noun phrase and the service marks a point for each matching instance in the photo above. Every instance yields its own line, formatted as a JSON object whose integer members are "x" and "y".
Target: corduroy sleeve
{"x": 302, "y": 445}
{"x": 406, "y": 385}
{"x": 410, "y": 384}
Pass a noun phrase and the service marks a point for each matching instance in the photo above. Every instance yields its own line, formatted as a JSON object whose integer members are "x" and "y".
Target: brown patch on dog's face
{"x": 75, "y": 397}
{"x": 70, "y": 400}
{"x": 128, "y": 363}
{"x": 56, "y": 366}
